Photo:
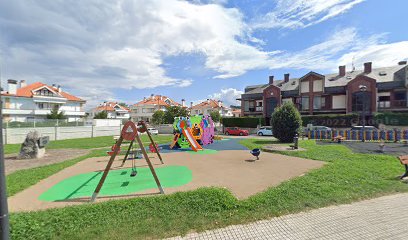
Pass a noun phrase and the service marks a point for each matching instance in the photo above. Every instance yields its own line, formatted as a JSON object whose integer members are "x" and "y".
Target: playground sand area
{"x": 235, "y": 170}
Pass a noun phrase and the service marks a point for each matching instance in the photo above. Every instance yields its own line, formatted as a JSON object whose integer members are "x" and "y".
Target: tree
{"x": 123, "y": 105}
{"x": 215, "y": 116}
{"x": 286, "y": 122}
{"x": 174, "y": 111}
{"x": 158, "y": 117}
{"x": 101, "y": 115}
{"x": 56, "y": 114}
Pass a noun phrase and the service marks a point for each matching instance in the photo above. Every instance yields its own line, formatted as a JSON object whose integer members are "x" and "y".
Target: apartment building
{"x": 24, "y": 103}
{"x": 113, "y": 110}
{"x": 374, "y": 89}
{"x": 143, "y": 110}
{"x": 208, "y": 106}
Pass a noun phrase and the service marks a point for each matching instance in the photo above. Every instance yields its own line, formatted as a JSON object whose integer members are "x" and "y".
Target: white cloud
{"x": 379, "y": 54}
{"x": 302, "y": 13}
{"x": 228, "y": 96}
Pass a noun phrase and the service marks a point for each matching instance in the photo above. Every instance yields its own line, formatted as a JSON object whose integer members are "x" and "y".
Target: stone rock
{"x": 30, "y": 149}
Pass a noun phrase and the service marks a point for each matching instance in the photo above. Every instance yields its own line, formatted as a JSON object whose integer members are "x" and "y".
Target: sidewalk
{"x": 380, "y": 218}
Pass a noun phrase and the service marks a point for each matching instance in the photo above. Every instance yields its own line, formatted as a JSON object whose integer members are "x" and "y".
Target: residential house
{"x": 143, "y": 110}
{"x": 374, "y": 89}
{"x": 208, "y": 106}
{"x": 113, "y": 110}
{"x": 24, "y": 103}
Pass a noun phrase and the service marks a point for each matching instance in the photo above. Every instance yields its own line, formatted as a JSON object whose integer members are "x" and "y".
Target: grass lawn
{"x": 347, "y": 177}
{"x": 87, "y": 143}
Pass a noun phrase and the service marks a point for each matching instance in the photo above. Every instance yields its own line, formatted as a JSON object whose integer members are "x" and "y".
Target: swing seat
{"x": 133, "y": 173}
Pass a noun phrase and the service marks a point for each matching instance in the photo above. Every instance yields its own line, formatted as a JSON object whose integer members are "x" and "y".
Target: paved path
{"x": 381, "y": 218}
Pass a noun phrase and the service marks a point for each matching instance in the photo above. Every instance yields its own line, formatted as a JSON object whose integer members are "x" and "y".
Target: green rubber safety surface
{"x": 204, "y": 151}
{"x": 118, "y": 182}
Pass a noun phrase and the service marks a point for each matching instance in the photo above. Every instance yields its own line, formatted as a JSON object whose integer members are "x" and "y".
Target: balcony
{"x": 397, "y": 104}
{"x": 254, "y": 110}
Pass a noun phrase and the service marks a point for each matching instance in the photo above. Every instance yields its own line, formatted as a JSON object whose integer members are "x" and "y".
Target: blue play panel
{"x": 219, "y": 145}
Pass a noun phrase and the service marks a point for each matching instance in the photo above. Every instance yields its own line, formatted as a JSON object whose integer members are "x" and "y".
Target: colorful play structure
{"x": 130, "y": 132}
{"x": 395, "y": 135}
{"x": 193, "y": 132}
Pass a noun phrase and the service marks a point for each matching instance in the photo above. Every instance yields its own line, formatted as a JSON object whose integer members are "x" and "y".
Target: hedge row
{"x": 331, "y": 120}
{"x": 244, "y": 122}
{"x": 393, "y": 119}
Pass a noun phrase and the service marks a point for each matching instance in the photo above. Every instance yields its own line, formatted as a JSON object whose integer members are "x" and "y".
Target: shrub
{"x": 393, "y": 119}
{"x": 158, "y": 117}
{"x": 244, "y": 122}
{"x": 286, "y": 122}
{"x": 215, "y": 116}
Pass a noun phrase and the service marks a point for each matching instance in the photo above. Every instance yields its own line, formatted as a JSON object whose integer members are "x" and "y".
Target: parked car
{"x": 153, "y": 131}
{"x": 366, "y": 128}
{"x": 315, "y": 128}
{"x": 265, "y": 131}
{"x": 236, "y": 131}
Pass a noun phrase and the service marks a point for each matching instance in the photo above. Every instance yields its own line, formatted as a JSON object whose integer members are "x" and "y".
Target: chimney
{"x": 342, "y": 71}
{"x": 286, "y": 77}
{"x": 402, "y": 62}
{"x": 367, "y": 67}
{"x": 220, "y": 102}
{"x": 183, "y": 102}
{"x": 12, "y": 86}
{"x": 23, "y": 83}
{"x": 270, "y": 80}
{"x": 208, "y": 101}
{"x": 144, "y": 99}
{"x": 191, "y": 104}
{"x": 161, "y": 97}
{"x": 152, "y": 96}
{"x": 59, "y": 89}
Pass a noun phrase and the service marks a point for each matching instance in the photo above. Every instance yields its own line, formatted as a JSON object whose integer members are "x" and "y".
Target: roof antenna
{"x": 352, "y": 64}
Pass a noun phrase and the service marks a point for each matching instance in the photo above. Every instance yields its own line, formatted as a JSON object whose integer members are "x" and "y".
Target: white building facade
{"x": 143, "y": 110}
{"x": 113, "y": 109}
{"x": 25, "y": 103}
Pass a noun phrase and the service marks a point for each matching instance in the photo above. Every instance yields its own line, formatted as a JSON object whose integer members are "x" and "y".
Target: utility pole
{"x": 4, "y": 216}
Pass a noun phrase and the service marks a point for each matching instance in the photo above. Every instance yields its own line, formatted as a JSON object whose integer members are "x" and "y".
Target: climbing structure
{"x": 130, "y": 133}
{"x": 193, "y": 132}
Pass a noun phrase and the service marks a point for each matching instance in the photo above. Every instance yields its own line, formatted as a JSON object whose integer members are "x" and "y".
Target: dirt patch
{"x": 235, "y": 170}
{"x": 51, "y": 156}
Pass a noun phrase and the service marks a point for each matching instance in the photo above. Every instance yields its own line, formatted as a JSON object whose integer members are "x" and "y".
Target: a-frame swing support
{"x": 143, "y": 124}
{"x": 115, "y": 153}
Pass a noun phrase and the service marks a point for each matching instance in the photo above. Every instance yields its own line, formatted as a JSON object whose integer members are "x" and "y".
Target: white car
{"x": 153, "y": 131}
{"x": 265, "y": 131}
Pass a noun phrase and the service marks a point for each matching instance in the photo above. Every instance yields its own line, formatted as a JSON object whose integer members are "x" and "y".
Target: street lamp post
{"x": 4, "y": 216}
{"x": 363, "y": 89}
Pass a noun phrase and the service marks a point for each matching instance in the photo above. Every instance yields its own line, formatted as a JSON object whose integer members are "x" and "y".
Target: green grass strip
{"x": 87, "y": 143}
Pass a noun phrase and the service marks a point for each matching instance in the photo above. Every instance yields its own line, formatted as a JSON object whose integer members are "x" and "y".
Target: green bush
{"x": 246, "y": 122}
{"x": 393, "y": 119}
{"x": 286, "y": 122}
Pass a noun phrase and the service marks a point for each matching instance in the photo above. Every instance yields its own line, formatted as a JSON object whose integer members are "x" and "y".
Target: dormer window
{"x": 167, "y": 101}
{"x": 44, "y": 92}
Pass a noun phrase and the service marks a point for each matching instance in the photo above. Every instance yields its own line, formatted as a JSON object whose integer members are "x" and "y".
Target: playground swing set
{"x": 130, "y": 133}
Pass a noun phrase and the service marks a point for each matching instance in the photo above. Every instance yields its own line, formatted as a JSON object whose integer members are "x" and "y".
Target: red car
{"x": 236, "y": 131}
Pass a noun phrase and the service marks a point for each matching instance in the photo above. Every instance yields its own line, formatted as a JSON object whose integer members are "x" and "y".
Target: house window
{"x": 319, "y": 102}
{"x": 384, "y": 101}
{"x": 400, "y": 99}
{"x": 360, "y": 100}
{"x": 305, "y": 103}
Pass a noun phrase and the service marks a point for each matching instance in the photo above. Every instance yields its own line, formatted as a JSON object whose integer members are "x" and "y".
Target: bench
{"x": 404, "y": 161}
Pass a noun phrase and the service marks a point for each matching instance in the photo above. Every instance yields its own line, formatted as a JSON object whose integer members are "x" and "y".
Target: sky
{"x": 124, "y": 50}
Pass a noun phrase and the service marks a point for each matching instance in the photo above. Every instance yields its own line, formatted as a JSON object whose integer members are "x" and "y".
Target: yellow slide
{"x": 190, "y": 138}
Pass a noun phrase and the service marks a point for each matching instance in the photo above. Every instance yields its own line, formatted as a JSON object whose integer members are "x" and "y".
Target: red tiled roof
{"x": 156, "y": 100}
{"x": 110, "y": 107}
{"x": 207, "y": 104}
{"x": 27, "y": 91}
